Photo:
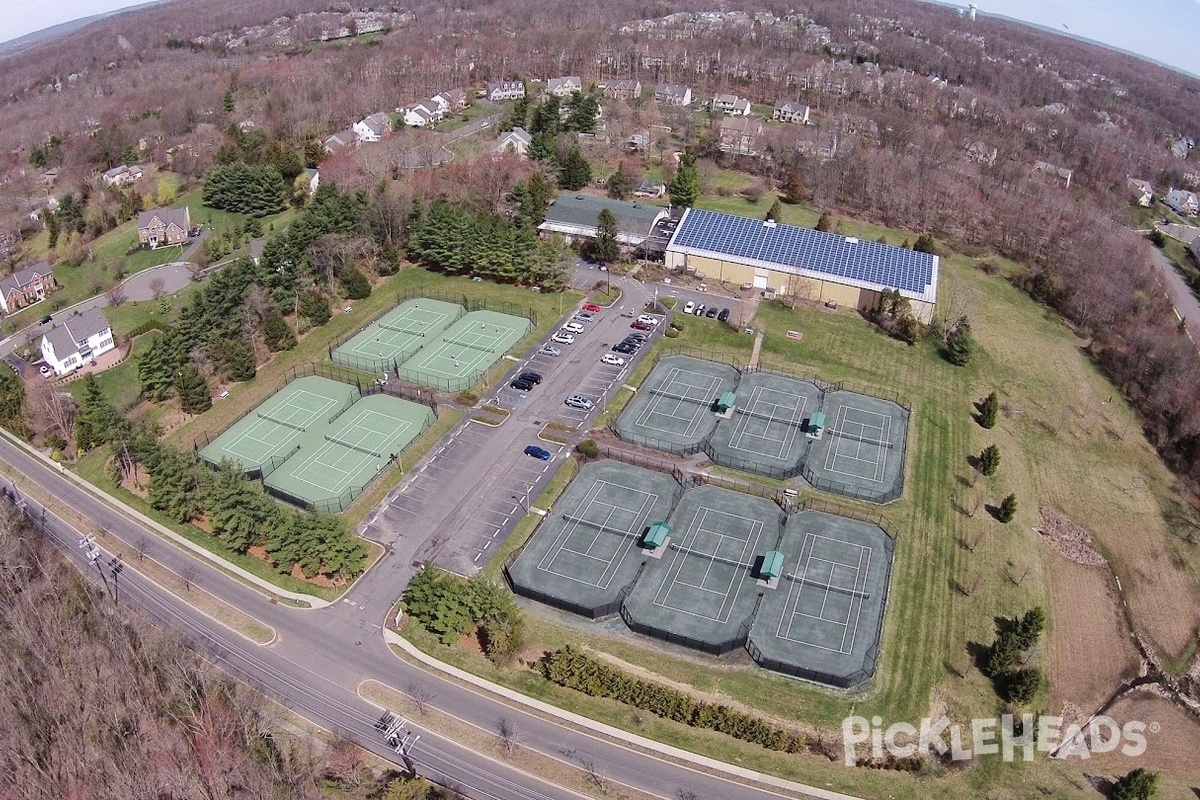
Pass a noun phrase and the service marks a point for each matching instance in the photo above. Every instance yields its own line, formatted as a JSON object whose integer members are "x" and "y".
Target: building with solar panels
{"x": 790, "y": 261}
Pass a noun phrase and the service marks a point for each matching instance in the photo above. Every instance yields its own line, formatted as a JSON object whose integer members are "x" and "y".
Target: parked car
{"x": 611, "y": 360}
{"x": 723, "y": 316}
{"x": 591, "y": 308}
{"x": 584, "y": 316}
{"x": 562, "y": 337}
{"x": 638, "y": 335}
{"x": 699, "y": 312}
{"x": 649, "y": 320}
{"x": 521, "y": 385}
{"x": 641, "y": 326}
{"x": 538, "y": 452}
{"x": 690, "y": 307}
{"x": 711, "y": 312}
{"x": 45, "y": 319}
{"x": 624, "y": 348}
{"x": 45, "y": 370}
{"x": 549, "y": 350}
{"x": 636, "y": 344}
{"x": 573, "y": 327}
{"x": 531, "y": 377}
{"x": 580, "y": 402}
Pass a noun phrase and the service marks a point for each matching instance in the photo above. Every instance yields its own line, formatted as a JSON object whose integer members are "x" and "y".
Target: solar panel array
{"x": 787, "y": 245}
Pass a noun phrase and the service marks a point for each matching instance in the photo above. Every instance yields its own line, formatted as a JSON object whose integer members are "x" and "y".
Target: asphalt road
{"x": 1180, "y": 294}
{"x": 321, "y": 656}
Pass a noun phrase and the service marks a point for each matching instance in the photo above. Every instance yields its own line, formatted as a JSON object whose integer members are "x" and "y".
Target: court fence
{"x": 855, "y": 680}
{"x": 736, "y": 642}
{"x": 825, "y": 506}
{"x": 266, "y": 469}
{"x": 404, "y": 392}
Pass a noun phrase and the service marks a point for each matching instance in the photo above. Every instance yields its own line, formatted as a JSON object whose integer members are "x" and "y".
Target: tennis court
{"x": 861, "y": 451}
{"x": 673, "y": 409}
{"x": 348, "y": 454}
{"x": 587, "y": 549}
{"x": 703, "y": 591}
{"x": 765, "y": 435}
{"x": 274, "y": 430}
{"x": 824, "y": 620}
{"x": 458, "y": 357}
{"x": 396, "y": 336}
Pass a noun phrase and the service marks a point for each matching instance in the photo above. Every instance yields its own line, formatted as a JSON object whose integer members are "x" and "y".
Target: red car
{"x": 592, "y": 307}
{"x": 641, "y": 326}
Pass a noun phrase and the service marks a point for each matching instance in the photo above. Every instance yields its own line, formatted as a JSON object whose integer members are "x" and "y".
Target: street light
{"x": 523, "y": 499}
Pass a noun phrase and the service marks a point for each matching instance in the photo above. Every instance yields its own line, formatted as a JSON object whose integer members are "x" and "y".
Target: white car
{"x": 562, "y": 337}
{"x": 45, "y": 370}
{"x": 648, "y": 320}
{"x": 573, "y": 327}
{"x": 616, "y": 361}
{"x": 690, "y": 307}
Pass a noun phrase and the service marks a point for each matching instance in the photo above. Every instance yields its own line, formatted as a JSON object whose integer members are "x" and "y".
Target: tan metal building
{"x": 784, "y": 260}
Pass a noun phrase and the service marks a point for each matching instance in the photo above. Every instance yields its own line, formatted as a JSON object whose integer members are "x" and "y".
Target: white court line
{"x": 834, "y": 452}
{"x": 592, "y": 498}
{"x": 790, "y": 422}
{"x": 658, "y": 404}
{"x": 794, "y": 595}
{"x": 421, "y": 326}
{"x": 251, "y": 433}
{"x": 737, "y": 576}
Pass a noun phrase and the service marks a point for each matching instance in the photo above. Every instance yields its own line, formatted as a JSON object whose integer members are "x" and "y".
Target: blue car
{"x": 537, "y": 452}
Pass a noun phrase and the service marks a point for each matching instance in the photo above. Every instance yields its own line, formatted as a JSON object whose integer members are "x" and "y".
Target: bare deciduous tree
{"x": 421, "y": 694}
{"x": 158, "y": 286}
{"x": 510, "y": 736}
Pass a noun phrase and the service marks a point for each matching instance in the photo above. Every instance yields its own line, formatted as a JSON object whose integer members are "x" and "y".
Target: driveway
{"x": 1180, "y": 294}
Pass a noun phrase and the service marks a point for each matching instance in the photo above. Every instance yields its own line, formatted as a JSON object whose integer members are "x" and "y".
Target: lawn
{"x": 120, "y": 384}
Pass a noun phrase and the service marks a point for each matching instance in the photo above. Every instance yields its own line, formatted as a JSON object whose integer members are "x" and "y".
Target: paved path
{"x": 1178, "y": 291}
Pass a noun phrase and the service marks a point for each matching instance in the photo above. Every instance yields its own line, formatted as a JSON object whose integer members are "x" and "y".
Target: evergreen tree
{"x": 989, "y": 411}
{"x": 582, "y": 114}
{"x": 1136, "y": 785}
{"x": 236, "y": 358}
{"x": 156, "y": 369}
{"x": 276, "y": 333}
{"x": 1003, "y": 656}
{"x": 545, "y": 117}
{"x": 517, "y": 115}
{"x": 989, "y": 460}
{"x": 1029, "y": 627}
{"x": 194, "y": 397}
{"x": 52, "y": 227}
{"x": 314, "y": 307}
{"x": 925, "y": 244}
{"x": 825, "y": 224}
{"x": 388, "y": 261}
{"x": 256, "y": 190}
{"x": 795, "y": 190}
{"x": 960, "y": 344}
{"x": 541, "y": 149}
{"x": 575, "y": 172}
{"x": 236, "y": 511}
{"x": 1008, "y": 509}
{"x": 685, "y": 186}
{"x": 355, "y": 285}
{"x": 175, "y": 486}
{"x": 1022, "y": 685}
{"x": 229, "y": 103}
{"x": 12, "y": 402}
{"x": 620, "y": 183}
{"x": 605, "y": 248}
{"x": 97, "y": 421}
{"x": 775, "y": 211}
{"x": 533, "y": 197}
{"x": 314, "y": 153}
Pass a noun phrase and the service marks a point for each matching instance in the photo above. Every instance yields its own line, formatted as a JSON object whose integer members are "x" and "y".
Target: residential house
{"x": 1183, "y": 202}
{"x": 451, "y": 101}
{"x": 740, "y": 135}
{"x": 565, "y": 86}
{"x": 505, "y": 90}
{"x": 45, "y": 205}
{"x": 340, "y": 141}
{"x": 731, "y": 105}
{"x": 1046, "y": 168}
{"x": 373, "y": 128}
{"x": 1142, "y": 191}
{"x": 624, "y": 89}
{"x": 122, "y": 175}
{"x": 673, "y": 94}
{"x": 979, "y": 153}
{"x": 1181, "y": 147}
{"x": 791, "y": 112}
{"x": 162, "y": 227}
{"x": 639, "y": 142}
{"x": 516, "y": 142}
{"x": 76, "y": 340}
{"x": 423, "y": 114}
{"x": 648, "y": 188}
{"x": 312, "y": 180}
{"x": 26, "y": 287}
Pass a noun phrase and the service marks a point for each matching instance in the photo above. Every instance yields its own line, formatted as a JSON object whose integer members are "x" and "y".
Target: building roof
{"x": 516, "y": 135}
{"x": 578, "y": 215}
{"x": 179, "y": 216}
{"x": 70, "y": 333}
{"x": 565, "y": 82}
{"x": 809, "y": 253}
{"x": 23, "y": 277}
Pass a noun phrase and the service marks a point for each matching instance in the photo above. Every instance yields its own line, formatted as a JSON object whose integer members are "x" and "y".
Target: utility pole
{"x": 92, "y": 553}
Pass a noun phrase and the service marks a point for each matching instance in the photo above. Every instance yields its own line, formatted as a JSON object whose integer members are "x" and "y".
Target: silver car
{"x": 579, "y": 401}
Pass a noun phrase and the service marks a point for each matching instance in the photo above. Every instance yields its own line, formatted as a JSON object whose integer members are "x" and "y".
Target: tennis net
{"x": 467, "y": 344}
{"x": 796, "y": 423}
{"x": 600, "y": 526}
{"x": 733, "y": 562}
{"x": 805, "y": 581}
{"x": 357, "y": 447}
{"x": 349, "y": 401}
{"x": 291, "y": 425}
{"x": 863, "y": 439}
{"x": 398, "y": 329}
{"x": 685, "y": 398}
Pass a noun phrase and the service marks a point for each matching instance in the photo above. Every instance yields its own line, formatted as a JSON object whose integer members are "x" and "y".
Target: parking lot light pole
{"x": 523, "y": 499}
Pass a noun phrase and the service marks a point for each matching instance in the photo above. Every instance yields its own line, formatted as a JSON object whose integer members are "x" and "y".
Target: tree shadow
{"x": 973, "y": 462}
{"x": 978, "y": 653}
{"x": 993, "y": 510}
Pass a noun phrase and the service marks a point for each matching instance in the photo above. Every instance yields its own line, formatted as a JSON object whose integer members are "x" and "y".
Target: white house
{"x": 423, "y": 114}
{"x": 505, "y": 90}
{"x": 731, "y": 104}
{"x": 76, "y": 340}
{"x": 122, "y": 175}
{"x": 790, "y": 112}
{"x": 1142, "y": 192}
{"x": 1183, "y": 202}
{"x": 373, "y": 128}
{"x": 516, "y": 141}
{"x": 565, "y": 86}
{"x": 672, "y": 94}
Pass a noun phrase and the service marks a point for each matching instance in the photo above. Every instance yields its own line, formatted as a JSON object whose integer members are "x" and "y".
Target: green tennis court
{"x": 393, "y": 338}
{"x": 274, "y": 430}
{"x": 335, "y": 461}
{"x": 460, "y": 356}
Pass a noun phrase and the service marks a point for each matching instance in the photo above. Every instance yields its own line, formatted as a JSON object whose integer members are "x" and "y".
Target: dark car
{"x": 634, "y": 343}
{"x": 723, "y": 316}
{"x": 624, "y": 348}
{"x": 641, "y": 326}
{"x": 522, "y": 386}
{"x": 530, "y": 377}
{"x": 45, "y": 319}
{"x": 537, "y": 452}
{"x": 712, "y": 312}
{"x": 641, "y": 337}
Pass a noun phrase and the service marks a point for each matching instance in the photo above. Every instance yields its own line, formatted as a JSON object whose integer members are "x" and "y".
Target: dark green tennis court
{"x": 673, "y": 408}
{"x": 393, "y": 338}
{"x": 862, "y": 447}
{"x": 765, "y": 434}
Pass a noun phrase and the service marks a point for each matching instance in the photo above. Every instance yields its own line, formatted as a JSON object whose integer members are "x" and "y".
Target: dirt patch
{"x": 1172, "y": 739}
{"x": 138, "y": 483}
{"x": 1069, "y": 539}
{"x": 315, "y": 580}
{"x": 1086, "y": 621}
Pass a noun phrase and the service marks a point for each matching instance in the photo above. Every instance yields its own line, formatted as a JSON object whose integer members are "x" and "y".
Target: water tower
{"x": 971, "y": 9}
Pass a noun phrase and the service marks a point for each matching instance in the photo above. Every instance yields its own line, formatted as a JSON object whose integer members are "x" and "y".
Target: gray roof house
{"x": 76, "y": 340}
{"x": 340, "y": 141}
{"x": 565, "y": 86}
{"x": 505, "y": 90}
{"x": 517, "y": 140}
{"x": 673, "y": 94}
{"x": 576, "y": 217}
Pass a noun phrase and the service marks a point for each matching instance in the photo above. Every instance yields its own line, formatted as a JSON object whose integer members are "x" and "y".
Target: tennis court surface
{"x": 393, "y": 338}
{"x": 861, "y": 451}
{"x": 765, "y": 435}
{"x": 459, "y": 356}
{"x": 673, "y": 409}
